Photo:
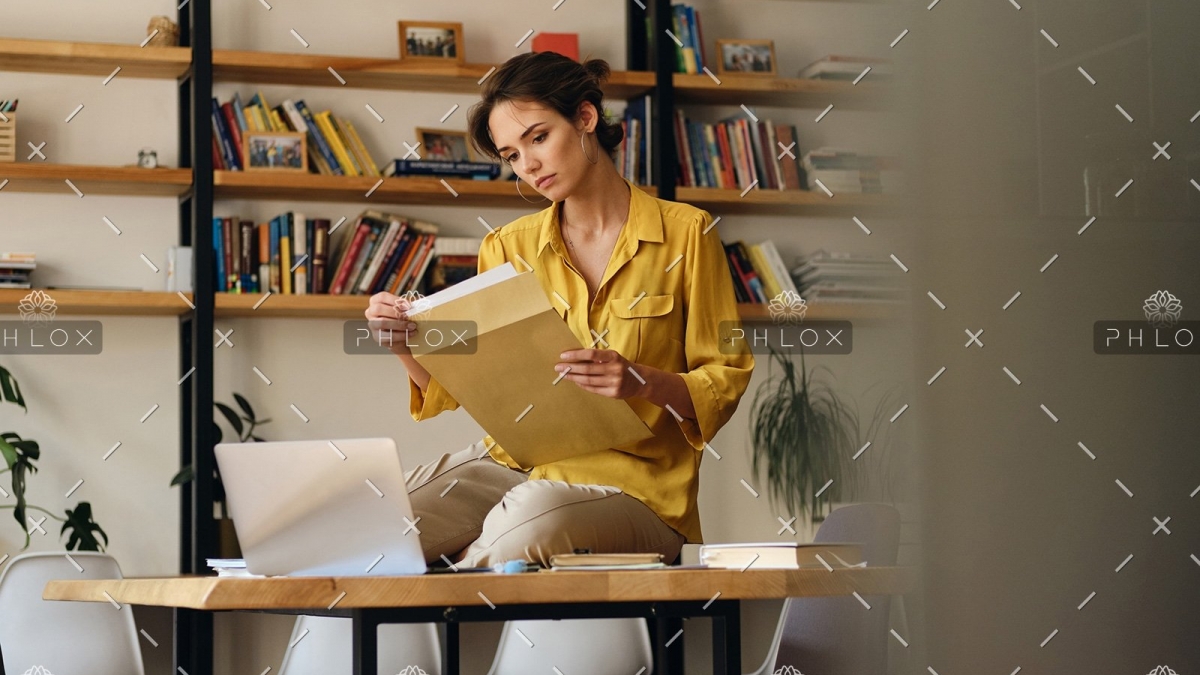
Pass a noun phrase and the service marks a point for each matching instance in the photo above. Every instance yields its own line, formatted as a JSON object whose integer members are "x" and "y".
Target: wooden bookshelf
{"x": 374, "y": 73}
{"x": 782, "y": 92}
{"x": 93, "y": 58}
{"x": 402, "y": 190}
{"x": 108, "y": 303}
{"x": 278, "y": 305}
{"x": 135, "y": 181}
{"x": 503, "y": 194}
{"x": 317, "y": 187}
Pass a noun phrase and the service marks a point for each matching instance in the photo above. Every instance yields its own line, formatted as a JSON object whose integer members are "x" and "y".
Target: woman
{"x": 643, "y": 283}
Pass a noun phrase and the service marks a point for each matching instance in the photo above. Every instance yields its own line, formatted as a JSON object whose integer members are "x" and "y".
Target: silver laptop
{"x": 321, "y": 508}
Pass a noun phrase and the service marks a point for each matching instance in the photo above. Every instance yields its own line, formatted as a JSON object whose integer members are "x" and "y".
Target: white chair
{"x": 592, "y": 646}
{"x": 837, "y": 635}
{"x": 322, "y": 645}
{"x": 65, "y": 637}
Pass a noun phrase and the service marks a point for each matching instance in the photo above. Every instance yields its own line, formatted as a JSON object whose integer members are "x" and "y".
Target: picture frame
{"x": 445, "y": 145}
{"x": 275, "y": 151}
{"x": 432, "y": 42}
{"x": 747, "y": 57}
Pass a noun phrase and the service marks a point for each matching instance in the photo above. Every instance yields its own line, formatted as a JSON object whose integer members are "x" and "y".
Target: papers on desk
{"x": 781, "y": 555}
{"x": 230, "y": 567}
{"x": 606, "y": 561}
{"x": 504, "y": 374}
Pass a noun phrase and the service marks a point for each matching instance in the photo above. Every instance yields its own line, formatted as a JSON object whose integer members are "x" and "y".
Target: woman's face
{"x": 542, "y": 146}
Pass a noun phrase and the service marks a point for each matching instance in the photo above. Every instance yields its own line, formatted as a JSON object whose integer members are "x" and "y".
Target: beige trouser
{"x": 494, "y": 513}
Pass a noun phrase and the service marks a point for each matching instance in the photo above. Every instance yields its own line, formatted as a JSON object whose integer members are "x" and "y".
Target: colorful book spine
{"x": 335, "y": 143}
{"x": 320, "y": 258}
{"x": 321, "y": 143}
{"x": 264, "y": 257}
{"x": 219, "y": 253}
{"x": 276, "y": 277}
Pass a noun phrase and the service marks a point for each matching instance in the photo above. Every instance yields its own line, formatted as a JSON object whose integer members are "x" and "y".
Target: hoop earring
{"x": 531, "y": 201}
{"x": 585, "y": 153}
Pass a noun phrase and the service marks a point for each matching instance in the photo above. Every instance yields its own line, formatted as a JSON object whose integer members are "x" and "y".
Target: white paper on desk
{"x": 509, "y": 385}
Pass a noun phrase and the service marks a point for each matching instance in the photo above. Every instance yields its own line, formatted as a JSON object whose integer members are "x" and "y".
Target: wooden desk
{"x": 453, "y": 598}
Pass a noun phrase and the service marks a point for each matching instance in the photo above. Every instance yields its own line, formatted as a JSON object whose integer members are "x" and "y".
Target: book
{"x": 591, "y": 560}
{"x": 781, "y": 555}
{"x": 300, "y": 257}
{"x": 320, "y": 259}
{"x": 430, "y": 167}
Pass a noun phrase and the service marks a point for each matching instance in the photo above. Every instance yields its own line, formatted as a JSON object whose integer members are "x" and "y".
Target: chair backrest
{"x": 321, "y": 645}
{"x": 837, "y": 635}
{"x": 65, "y": 637}
{"x": 592, "y": 646}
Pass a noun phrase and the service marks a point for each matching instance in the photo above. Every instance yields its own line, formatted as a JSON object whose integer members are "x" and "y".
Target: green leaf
{"x": 231, "y": 416}
{"x": 244, "y": 405}
{"x": 9, "y": 452}
{"x": 9, "y": 389}
{"x": 83, "y": 529}
{"x": 185, "y": 475}
{"x": 19, "y": 455}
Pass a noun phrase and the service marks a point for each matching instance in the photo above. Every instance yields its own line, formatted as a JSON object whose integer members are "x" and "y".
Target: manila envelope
{"x": 508, "y": 383}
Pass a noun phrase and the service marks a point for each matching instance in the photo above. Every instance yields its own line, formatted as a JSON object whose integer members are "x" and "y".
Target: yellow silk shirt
{"x": 665, "y": 290}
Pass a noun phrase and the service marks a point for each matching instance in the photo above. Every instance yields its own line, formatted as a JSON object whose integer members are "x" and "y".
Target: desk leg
{"x": 727, "y": 639}
{"x": 668, "y": 660}
{"x": 450, "y": 656}
{"x": 366, "y": 642}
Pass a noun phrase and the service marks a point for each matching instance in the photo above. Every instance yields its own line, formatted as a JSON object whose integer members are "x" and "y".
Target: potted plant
{"x": 243, "y": 425}
{"x": 804, "y": 434}
{"x": 19, "y": 456}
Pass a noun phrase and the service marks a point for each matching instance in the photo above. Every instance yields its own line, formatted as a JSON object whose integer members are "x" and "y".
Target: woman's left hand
{"x": 602, "y": 371}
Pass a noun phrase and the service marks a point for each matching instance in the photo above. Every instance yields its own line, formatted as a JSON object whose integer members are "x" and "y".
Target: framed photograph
{"x": 443, "y": 145}
{"x": 431, "y": 41}
{"x": 748, "y": 57}
{"x": 275, "y": 151}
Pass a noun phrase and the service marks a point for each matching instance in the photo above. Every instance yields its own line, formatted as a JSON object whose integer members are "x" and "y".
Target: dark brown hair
{"x": 554, "y": 80}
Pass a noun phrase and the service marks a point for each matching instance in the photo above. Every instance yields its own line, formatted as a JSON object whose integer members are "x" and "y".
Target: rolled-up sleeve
{"x": 715, "y": 379}
{"x": 435, "y": 399}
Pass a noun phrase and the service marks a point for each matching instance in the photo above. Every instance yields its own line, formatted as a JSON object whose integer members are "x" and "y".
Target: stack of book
{"x": 295, "y": 255}
{"x": 737, "y": 153}
{"x": 633, "y": 156}
{"x": 595, "y": 562}
{"x": 759, "y": 273}
{"x": 9, "y": 105}
{"x": 442, "y": 169}
{"x": 455, "y": 259}
{"x": 781, "y": 555}
{"x": 15, "y": 269}
{"x": 844, "y": 277}
{"x": 230, "y": 567}
{"x": 334, "y": 146}
{"x": 849, "y": 171}
{"x": 691, "y": 56}
{"x": 847, "y": 68}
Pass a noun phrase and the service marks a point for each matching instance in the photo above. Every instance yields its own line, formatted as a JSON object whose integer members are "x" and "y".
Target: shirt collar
{"x": 644, "y": 217}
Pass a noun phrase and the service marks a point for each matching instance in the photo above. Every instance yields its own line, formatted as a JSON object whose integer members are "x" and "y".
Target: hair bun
{"x": 598, "y": 69}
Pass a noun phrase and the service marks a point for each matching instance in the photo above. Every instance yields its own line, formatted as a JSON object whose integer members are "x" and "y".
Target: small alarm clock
{"x": 147, "y": 158}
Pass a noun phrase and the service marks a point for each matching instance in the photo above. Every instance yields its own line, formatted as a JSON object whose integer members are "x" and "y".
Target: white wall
{"x": 104, "y": 396}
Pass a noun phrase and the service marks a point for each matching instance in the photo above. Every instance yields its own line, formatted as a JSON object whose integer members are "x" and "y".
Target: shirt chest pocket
{"x": 646, "y": 330}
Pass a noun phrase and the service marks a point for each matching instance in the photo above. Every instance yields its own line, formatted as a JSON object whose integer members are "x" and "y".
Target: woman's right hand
{"x": 387, "y": 312}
